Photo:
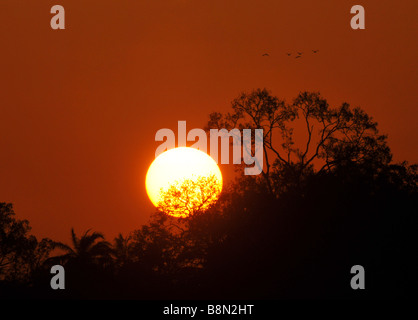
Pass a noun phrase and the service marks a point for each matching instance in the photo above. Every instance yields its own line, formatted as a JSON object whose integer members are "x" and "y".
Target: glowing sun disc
{"x": 178, "y": 165}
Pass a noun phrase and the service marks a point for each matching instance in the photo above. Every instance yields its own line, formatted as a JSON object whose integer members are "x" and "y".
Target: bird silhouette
{"x": 297, "y": 57}
{"x": 266, "y": 55}
{"x": 315, "y": 51}
{"x": 300, "y": 53}
{"x": 288, "y": 53}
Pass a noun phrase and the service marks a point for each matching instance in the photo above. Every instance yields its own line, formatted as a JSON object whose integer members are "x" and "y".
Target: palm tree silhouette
{"x": 85, "y": 250}
{"x": 122, "y": 249}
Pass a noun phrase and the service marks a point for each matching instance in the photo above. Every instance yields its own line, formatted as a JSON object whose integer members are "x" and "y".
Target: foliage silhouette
{"x": 86, "y": 250}
{"x": 189, "y": 196}
{"x": 122, "y": 250}
{"x": 21, "y": 254}
{"x": 322, "y": 205}
{"x": 333, "y": 135}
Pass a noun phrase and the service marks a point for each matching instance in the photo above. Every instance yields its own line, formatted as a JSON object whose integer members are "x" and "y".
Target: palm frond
{"x": 64, "y": 247}
{"x": 88, "y": 240}
{"x": 74, "y": 239}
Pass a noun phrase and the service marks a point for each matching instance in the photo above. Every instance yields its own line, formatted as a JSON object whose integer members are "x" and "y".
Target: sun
{"x": 183, "y": 180}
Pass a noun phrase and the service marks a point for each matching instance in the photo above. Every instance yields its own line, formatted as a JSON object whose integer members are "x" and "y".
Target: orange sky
{"x": 79, "y": 107}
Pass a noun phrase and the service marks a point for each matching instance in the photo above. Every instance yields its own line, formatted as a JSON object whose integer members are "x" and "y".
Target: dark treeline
{"x": 319, "y": 207}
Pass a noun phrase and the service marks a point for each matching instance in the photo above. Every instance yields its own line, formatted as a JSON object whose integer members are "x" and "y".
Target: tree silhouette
{"x": 122, "y": 250}
{"x": 86, "y": 250}
{"x": 180, "y": 231}
{"x": 329, "y": 198}
{"x": 189, "y": 196}
{"x": 155, "y": 246}
{"x": 332, "y": 135}
{"x": 13, "y": 238}
{"x": 21, "y": 254}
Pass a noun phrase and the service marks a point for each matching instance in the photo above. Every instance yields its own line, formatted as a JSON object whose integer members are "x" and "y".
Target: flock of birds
{"x": 298, "y": 54}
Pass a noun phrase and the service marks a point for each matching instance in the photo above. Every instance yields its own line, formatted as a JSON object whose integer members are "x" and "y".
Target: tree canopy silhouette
{"x": 331, "y": 137}
{"x": 21, "y": 254}
{"x": 189, "y": 196}
{"x": 89, "y": 249}
{"x": 329, "y": 197}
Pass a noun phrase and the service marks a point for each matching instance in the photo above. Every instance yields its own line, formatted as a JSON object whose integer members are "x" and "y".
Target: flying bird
{"x": 297, "y": 57}
{"x": 300, "y": 53}
{"x": 315, "y": 51}
{"x": 266, "y": 55}
{"x": 288, "y": 54}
